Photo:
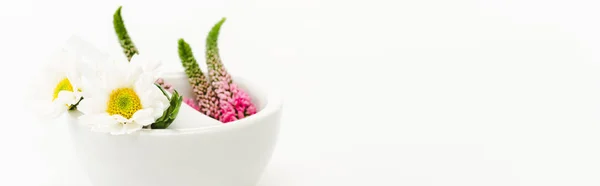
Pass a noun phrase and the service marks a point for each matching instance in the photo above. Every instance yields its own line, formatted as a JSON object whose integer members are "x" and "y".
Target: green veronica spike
{"x": 213, "y": 35}
{"x": 195, "y": 76}
{"x": 128, "y": 47}
{"x": 213, "y": 60}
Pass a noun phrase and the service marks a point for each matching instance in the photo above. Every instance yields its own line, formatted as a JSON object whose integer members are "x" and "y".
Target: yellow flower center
{"x": 123, "y": 101}
{"x": 65, "y": 85}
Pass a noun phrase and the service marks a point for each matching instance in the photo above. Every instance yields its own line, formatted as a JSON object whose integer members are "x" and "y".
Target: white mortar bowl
{"x": 232, "y": 154}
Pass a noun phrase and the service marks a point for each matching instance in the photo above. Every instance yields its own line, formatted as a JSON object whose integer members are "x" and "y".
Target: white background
{"x": 431, "y": 92}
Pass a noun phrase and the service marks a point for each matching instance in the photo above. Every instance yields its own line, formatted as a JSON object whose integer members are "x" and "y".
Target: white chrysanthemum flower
{"x": 58, "y": 87}
{"x": 149, "y": 65}
{"x": 123, "y": 98}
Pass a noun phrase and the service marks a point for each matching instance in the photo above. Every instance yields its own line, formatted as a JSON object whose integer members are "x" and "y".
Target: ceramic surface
{"x": 232, "y": 154}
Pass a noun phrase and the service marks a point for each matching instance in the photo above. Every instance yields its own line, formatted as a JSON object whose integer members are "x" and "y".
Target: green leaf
{"x": 176, "y": 109}
{"x": 128, "y": 47}
{"x": 170, "y": 114}
{"x": 163, "y": 91}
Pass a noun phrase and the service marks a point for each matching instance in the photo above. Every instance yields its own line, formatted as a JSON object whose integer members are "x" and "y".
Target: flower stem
{"x": 73, "y": 107}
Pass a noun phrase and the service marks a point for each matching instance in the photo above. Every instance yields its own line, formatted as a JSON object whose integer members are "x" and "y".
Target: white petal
{"x": 148, "y": 65}
{"x": 146, "y": 90}
{"x": 101, "y": 122}
{"x": 41, "y": 92}
{"x": 75, "y": 81}
{"x": 94, "y": 87}
{"x": 58, "y": 59}
{"x": 144, "y": 82}
{"x": 41, "y": 103}
{"x": 145, "y": 98}
{"x": 77, "y": 95}
{"x": 72, "y": 66}
{"x": 66, "y": 98}
{"x": 143, "y": 117}
{"x": 86, "y": 106}
{"x": 144, "y": 62}
{"x": 85, "y": 48}
{"x": 59, "y": 106}
{"x": 158, "y": 102}
{"x": 47, "y": 82}
{"x": 162, "y": 105}
{"x": 158, "y": 110}
{"x": 151, "y": 96}
{"x": 56, "y": 109}
{"x": 158, "y": 96}
{"x": 120, "y": 118}
{"x": 133, "y": 74}
{"x": 154, "y": 68}
{"x": 116, "y": 76}
{"x": 94, "y": 76}
{"x": 131, "y": 127}
{"x": 137, "y": 59}
{"x": 92, "y": 105}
